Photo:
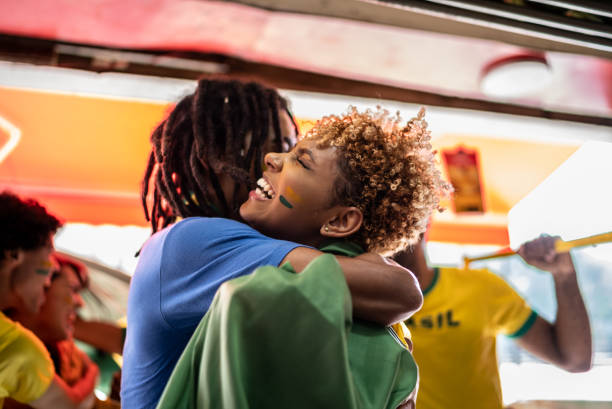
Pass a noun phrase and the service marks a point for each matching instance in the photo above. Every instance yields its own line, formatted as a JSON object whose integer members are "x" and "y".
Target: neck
{"x": 414, "y": 259}
{"x": 8, "y": 300}
{"x": 5, "y": 292}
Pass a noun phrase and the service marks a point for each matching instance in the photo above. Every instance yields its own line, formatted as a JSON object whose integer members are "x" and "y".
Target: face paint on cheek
{"x": 291, "y": 196}
{"x": 45, "y": 268}
{"x": 294, "y": 197}
{"x": 285, "y": 202}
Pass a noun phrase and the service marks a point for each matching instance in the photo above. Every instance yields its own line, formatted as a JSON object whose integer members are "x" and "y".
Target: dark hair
{"x": 26, "y": 225}
{"x": 206, "y": 135}
{"x": 79, "y": 268}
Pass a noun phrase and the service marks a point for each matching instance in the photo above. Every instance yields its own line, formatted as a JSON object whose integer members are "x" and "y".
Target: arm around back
{"x": 101, "y": 335}
{"x": 382, "y": 291}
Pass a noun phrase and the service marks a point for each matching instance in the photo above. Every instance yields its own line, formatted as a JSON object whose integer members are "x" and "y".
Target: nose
{"x": 274, "y": 161}
{"x": 78, "y": 301}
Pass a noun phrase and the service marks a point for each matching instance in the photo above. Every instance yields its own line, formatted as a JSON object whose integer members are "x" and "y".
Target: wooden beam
{"x": 427, "y": 16}
{"x": 44, "y": 52}
{"x": 306, "y": 81}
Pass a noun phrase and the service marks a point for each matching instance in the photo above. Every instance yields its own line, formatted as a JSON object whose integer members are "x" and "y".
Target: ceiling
{"x": 431, "y": 52}
{"x": 83, "y": 147}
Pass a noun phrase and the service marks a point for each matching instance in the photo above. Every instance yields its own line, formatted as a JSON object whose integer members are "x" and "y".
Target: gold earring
{"x": 326, "y": 228}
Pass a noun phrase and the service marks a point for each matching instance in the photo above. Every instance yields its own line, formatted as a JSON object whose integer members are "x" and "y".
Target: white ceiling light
{"x": 517, "y": 75}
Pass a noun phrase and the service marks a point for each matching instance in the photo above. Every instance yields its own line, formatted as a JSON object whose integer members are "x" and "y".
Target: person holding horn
{"x": 465, "y": 309}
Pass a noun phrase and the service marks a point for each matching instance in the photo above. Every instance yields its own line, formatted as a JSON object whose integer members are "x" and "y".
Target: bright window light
{"x": 113, "y": 246}
{"x": 573, "y": 202}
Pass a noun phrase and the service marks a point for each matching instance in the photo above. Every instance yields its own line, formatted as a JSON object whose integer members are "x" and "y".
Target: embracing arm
{"x": 381, "y": 290}
{"x": 567, "y": 342}
{"x": 101, "y": 335}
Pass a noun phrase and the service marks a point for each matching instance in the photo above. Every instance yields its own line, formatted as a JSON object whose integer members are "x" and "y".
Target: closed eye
{"x": 301, "y": 162}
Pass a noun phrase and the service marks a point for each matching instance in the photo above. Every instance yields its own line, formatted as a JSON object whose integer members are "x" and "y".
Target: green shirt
{"x": 285, "y": 340}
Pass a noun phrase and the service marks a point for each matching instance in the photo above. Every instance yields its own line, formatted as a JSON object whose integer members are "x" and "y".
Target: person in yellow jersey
{"x": 26, "y": 370}
{"x": 464, "y": 309}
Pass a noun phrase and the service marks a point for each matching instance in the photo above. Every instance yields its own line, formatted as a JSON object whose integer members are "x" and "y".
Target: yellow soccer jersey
{"x": 403, "y": 333}
{"x": 454, "y": 337}
{"x": 26, "y": 370}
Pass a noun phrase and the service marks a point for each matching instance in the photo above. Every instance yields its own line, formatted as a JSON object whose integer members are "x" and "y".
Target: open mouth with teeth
{"x": 264, "y": 191}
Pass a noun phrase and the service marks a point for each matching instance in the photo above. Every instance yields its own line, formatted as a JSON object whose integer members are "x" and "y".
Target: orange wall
{"x": 83, "y": 157}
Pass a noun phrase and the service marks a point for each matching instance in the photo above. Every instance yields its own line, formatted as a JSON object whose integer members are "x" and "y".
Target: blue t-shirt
{"x": 179, "y": 270}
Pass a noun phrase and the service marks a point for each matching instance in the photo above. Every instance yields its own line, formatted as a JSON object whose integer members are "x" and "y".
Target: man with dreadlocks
{"x": 202, "y": 155}
{"x": 275, "y": 338}
{"x": 203, "y": 162}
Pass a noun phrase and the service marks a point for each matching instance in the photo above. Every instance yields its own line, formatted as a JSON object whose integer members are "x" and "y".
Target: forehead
{"x": 70, "y": 275}
{"x": 324, "y": 158}
{"x": 40, "y": 256}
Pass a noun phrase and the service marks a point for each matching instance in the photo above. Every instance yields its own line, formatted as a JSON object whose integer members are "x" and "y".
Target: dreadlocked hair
{"x": 386, "y": 170}
{"x": 222, "y": 128}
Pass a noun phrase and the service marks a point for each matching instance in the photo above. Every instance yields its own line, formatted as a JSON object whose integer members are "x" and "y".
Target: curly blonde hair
{"x": 388, "y": 171}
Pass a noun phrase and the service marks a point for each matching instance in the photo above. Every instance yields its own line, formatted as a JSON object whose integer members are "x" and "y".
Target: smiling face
{"x": 294, "y": 196}
{"x": 55, "y": 322}
{"x": 288, "y": 140}
{"x": 207, "y": 153}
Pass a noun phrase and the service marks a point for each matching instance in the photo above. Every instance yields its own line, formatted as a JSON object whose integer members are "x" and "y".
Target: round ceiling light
{"x": 516, "y": 76}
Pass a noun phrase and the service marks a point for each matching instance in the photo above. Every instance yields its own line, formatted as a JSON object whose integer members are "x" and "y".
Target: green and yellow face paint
{"x": 45, "y": 268}
{"x": 291, "y": 197}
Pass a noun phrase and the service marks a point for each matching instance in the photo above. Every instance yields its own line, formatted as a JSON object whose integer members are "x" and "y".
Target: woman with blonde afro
{"x": 360, "y": 176}
{"x": 275, "y": 338}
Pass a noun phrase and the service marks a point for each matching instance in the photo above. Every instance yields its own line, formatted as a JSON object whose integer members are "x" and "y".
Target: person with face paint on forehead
{"x": 205, "y": 157}
{"x": 276, "y": 338}
{"x": 26, "y": 370}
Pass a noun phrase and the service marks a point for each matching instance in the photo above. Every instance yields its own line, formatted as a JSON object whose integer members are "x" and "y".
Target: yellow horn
{"x": 560, "y": 247}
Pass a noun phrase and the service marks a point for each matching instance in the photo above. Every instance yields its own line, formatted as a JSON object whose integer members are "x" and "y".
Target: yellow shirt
{"x": 454, "y": 337}
{"x": 26, "y": 370}
{"x": 403, "y": 333}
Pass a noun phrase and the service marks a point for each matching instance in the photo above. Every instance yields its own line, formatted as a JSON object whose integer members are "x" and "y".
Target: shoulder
{"x": 205, "y": 229}
{"x": 494, "y": 282}
{"x": 211, "y": 233}
{"x": 23, "y": 353}
{"x": 194, "y": 234}
{"x": 482, "y": 281}
{"x": 205, "y": 225}
{"x": 23, "y": 345}
{"x": 470, "y": 275}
